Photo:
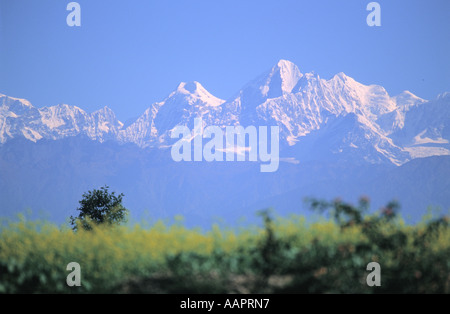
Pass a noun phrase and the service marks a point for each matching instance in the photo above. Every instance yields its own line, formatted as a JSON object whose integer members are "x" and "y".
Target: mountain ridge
{"x": 338, "y": 137}
{"x": 299, "y": 103}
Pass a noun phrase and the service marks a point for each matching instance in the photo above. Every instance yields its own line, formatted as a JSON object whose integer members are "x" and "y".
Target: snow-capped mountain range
{"x": 351, "y": 116}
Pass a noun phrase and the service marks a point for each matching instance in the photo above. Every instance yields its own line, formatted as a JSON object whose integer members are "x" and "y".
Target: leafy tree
{"x": 99, "y": 207}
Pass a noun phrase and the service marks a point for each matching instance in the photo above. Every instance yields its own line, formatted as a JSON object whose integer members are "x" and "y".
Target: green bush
{"x": 99, "y": 207}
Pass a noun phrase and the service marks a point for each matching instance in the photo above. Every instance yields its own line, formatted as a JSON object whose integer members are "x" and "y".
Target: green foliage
{"x": 98, "y": 207}
{"x": 285, "y": 255}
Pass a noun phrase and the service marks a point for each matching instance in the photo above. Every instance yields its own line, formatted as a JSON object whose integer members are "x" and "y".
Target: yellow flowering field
{"x": 283, "y": 255}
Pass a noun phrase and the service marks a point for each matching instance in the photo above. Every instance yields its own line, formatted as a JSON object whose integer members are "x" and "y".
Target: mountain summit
{"x": 282, "y": 79}
{"x": 372, "y": 124}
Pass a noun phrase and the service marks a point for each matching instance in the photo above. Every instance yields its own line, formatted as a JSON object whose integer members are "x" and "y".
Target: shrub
{"x": 99, "y": 207}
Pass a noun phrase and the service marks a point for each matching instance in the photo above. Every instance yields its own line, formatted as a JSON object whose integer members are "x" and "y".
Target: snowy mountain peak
{"x": 285, "y": 63}
{"x": 280, "y": 79}
{"x": 104, "y": 125}
{"x": 12, "y": 102}
{"x": 189, "y": 87}
{"x": 406, "y": 99}
{"x": 342, "y": 78}
{"x": 65, "y": 109}
{"x": 105, "y": 111}
{"x": 198, "y": 92}
{"x": 106, "y": 114}
{"x": 288, "y": 73}
{"x": 287, "y": 67}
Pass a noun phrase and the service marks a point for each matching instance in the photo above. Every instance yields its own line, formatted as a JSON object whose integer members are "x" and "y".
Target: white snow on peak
{"x": 188, "y": 87}
{"x": 341, "y": 79}
{"x": 24, "y": 102}
{"x": 281, "y": 79}
{"x": 424, "y": 151}
{"x": 105, "y": 109}
{"x": 106, "y": 120}
{"x": 444, "y": 95}
{"x": 341, "y": 75}
{"x": 287, "y": 66}
{"x": 406, "y": 99}
{"x": 196, "y": 90}
{"x": 407, "y": 93}
{"x": 31, "y": 134}
{"x": 289, "y": 74}
{"x": 59, "y": 115}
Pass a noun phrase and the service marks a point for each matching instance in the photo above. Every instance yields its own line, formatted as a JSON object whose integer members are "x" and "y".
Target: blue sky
{"x": 129, "y": 54}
